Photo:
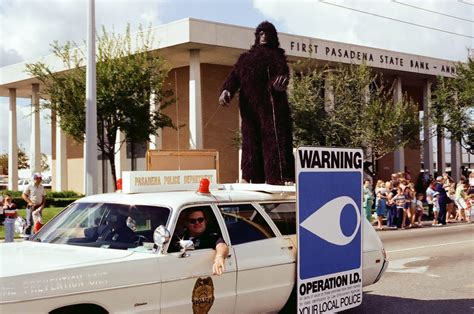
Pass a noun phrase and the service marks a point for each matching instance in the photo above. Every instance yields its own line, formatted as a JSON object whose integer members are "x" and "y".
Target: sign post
{"x": 329, "y": 202}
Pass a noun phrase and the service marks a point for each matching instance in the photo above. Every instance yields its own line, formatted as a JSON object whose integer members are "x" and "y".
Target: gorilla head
{"x": 270, "y": 35}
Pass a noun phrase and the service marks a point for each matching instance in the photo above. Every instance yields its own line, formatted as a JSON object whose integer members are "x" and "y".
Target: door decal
{"x": 203, "y": 295}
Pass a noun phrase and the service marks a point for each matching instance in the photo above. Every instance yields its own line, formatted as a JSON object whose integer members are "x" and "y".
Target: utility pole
{"x": 90, "y": 144}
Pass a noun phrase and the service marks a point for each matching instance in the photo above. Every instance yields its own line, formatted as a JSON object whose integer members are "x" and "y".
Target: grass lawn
{"x": 48, "y": 213}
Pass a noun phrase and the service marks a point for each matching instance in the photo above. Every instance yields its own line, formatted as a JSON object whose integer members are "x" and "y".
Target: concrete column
{"x": 121, "y": 162}
{"x": 399, "y": 154}
{"x": 35, "y": 160}
{"x": 12, "y": 142}
{"x": 427, "y": 141}
{"x": 441, "y": 160}
{"x": 156, "y": 141}
{"x": 328, "y": 94}
{"x": 195, "y": 105}
{"x": 455, "y": 160}
{"x": 61, "y": 158}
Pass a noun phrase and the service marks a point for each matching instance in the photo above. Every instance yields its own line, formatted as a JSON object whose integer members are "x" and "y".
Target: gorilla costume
{"x": 262, "y": 76}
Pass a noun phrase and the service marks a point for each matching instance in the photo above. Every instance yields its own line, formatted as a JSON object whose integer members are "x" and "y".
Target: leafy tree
{"x": 453, "y": 105}
{"x": 127, "y": 76}
{"x": 362, "y": 113}
{"x": 22, "y": 160}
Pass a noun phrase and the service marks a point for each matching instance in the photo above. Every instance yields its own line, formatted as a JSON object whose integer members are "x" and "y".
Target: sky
{"x": 444, "y": 29}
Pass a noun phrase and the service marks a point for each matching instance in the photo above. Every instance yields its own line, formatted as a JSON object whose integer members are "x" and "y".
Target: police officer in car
{"x": 196, "y": 230}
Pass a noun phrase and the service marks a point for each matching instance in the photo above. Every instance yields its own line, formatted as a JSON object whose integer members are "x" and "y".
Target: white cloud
{"x": 29, "y": 27}
{"x": 321, "y": 20}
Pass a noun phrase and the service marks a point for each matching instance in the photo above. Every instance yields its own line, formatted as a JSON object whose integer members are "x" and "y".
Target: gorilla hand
{"x": 224, "y": 98}
{"x": 280, "y": 83}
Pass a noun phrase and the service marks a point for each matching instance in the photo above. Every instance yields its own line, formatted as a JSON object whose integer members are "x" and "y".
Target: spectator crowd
{"x": 398, "y": 202}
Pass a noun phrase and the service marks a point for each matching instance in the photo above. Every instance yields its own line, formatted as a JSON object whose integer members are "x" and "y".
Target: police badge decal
{"x": 203, "y": 295}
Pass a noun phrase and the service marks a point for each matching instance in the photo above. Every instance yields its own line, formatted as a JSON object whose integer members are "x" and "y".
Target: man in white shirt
{"x": 35, "y": 198}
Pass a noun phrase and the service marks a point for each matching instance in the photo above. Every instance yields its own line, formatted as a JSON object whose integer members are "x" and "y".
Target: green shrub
{"x": 13, "y": 194}
{"x": 63, "y": 194}
{"x": 50, "y": 202}
{"x": 49, "y": 194}
{"x": 53, "y": 199}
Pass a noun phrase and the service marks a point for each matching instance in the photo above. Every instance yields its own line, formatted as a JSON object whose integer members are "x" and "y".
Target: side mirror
{"x": 161, "y": 236}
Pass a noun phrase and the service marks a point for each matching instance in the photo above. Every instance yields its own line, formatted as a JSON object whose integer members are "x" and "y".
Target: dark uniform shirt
{"x": 207, "y": 240}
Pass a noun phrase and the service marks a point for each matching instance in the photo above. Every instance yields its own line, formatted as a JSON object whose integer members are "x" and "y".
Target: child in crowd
{"x": 381, "y": 206}
{"x": 2, "y": 215}
{"x": 9, "y": 210}
{"x": 460, "y": 199}
{"x": 400, "y": 201}
{"x": 435, "y": 208}
{"x": 469, "y": 212}
{"x": 38, "y": 221}
{"x": 411, "y": 201}
{"x": 419, "y": 209}
{"x": 450, "y": 208}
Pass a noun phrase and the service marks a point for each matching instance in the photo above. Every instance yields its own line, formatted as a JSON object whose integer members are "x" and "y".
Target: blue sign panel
{"x": 325, "y": 255}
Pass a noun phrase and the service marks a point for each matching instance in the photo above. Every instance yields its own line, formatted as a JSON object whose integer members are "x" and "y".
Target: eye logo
{"x": 325, "y": 222}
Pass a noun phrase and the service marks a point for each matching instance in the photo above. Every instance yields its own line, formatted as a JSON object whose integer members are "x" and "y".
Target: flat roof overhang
{"x": 222, "y": 44}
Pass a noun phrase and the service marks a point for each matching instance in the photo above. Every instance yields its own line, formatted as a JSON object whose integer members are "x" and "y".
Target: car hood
{"x": 23, "y": 258}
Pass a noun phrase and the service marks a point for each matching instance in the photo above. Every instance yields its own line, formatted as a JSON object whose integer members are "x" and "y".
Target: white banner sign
{"x": 156, "y": 181}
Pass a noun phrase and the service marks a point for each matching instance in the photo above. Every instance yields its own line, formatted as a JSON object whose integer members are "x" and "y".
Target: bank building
{"x": 201, "y": 55}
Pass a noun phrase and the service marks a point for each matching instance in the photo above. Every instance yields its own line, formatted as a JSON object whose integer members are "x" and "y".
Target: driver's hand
{"x": 218, "y": 266}
{"x": 224, "y": 98}
{"x": 280, "y": 83}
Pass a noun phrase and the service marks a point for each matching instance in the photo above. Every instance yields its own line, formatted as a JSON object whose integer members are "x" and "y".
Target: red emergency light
{"x": 204, "y": 186}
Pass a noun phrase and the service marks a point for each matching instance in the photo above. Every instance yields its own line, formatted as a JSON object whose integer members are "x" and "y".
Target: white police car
{"x": 68, "y": 267}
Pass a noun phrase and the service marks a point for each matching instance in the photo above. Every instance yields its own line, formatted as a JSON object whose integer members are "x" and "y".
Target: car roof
{"x": 176, "y": 199}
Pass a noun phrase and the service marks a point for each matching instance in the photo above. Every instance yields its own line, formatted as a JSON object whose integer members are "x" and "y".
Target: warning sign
{"x": 329, "y": 201}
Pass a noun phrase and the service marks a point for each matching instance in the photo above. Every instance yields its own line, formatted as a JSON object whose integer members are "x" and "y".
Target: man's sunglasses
{"x": 195, "y": 221}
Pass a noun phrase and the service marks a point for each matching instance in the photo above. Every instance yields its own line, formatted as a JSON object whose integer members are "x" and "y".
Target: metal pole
{"x": 90, "y": 144}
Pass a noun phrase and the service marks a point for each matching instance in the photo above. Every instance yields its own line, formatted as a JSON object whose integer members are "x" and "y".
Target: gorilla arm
{"x": 231, "y": 84}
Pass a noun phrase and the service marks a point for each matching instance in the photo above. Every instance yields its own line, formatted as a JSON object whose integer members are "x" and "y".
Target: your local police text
{"x": 332, "y": 306}
{"x": 330, "y": 159}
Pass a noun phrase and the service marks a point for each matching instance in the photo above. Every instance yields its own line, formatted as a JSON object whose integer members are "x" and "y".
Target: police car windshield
{"x": 104, "y": 225}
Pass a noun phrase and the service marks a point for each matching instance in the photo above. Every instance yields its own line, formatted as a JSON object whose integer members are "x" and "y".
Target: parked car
{"x": 3, "y": 182}
{"x": 23, "y": 183}
{"x": 66, "y": 269}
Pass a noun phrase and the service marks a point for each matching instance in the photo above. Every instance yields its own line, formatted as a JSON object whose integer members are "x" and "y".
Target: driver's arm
{"x": 222, "y": 250}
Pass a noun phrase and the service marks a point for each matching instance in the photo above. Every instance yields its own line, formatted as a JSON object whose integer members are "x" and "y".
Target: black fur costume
{"x": 267, "y": 142}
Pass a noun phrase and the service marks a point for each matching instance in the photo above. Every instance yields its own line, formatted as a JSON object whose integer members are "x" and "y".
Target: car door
{"x": 188, "y": 284}
{"x": 265, "y": 262}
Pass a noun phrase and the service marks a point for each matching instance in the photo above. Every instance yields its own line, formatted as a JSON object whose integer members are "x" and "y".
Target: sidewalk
{"x": 426, "y": 223}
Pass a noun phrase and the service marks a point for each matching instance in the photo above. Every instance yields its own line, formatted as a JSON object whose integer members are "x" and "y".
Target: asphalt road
{"x": 431, "y": 270}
